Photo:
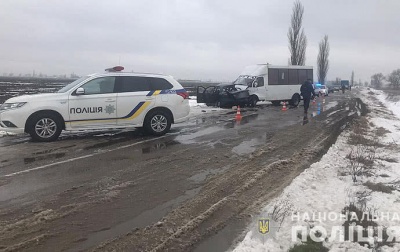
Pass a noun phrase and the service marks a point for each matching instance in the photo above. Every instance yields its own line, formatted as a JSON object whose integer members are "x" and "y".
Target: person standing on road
{"x": 343, "y": 88}
{"x": 306, "y": 91}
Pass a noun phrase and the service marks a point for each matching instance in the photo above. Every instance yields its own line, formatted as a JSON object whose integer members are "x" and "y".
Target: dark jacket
{"x": 307, "y": 89}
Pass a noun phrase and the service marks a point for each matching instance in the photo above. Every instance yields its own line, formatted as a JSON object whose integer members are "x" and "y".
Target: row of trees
{"x": 393, "y": 79}
{"x": 298, "y": 44}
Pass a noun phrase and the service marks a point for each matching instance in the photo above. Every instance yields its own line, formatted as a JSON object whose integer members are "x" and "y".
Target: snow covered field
{"x": 324, "y": 195}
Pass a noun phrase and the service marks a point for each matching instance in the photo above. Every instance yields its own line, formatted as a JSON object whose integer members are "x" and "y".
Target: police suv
{"x": 113, "y": 99}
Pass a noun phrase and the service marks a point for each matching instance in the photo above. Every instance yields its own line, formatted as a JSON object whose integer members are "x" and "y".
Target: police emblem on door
{"x": 263, "y": 226}
{"x": 110, "y": 109}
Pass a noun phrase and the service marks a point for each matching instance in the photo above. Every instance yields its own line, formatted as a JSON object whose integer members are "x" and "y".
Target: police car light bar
{"x": 115, "y": 69}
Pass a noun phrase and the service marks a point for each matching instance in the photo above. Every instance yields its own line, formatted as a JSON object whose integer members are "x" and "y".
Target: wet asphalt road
{"x": 89, "y": 188}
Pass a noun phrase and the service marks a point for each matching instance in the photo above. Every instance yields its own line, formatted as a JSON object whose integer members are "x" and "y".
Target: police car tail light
{"x": 184, "y": 94}
{"x": 115, "y": 69}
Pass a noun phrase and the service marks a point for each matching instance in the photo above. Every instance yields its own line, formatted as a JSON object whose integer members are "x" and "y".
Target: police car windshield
{"x": 244, "y": 80}
{"x": 71, "y": 85}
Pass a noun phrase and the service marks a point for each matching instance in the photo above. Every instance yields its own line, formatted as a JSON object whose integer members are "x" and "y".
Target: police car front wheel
{"x": 45, "y": 128}
{"x": 157, "y": 123}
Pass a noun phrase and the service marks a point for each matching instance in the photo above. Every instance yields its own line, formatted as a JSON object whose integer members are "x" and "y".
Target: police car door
{"x": 134, "y": 99}
{"x": 96, "y": 107}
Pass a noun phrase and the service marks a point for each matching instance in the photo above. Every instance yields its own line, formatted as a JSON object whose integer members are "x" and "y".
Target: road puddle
{"x": 190, "y": 137}
{"x": 158, "y": 146}
{"x": 321, "y": 106}
{"x": 249, "y": 146}
{"x": 245, "y": 119}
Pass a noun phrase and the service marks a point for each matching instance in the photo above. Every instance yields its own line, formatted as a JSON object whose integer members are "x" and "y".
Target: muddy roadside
{"x": 233, "y": 197}
{"x": 168, "y": 196}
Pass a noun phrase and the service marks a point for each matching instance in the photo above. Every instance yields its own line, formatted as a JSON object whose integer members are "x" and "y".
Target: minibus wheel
{"x": 253, "y": 101}
{"x": 295, "y": 100}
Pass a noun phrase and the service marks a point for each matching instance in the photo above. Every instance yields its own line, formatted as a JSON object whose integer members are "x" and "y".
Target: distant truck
{"x": 346, "y": 83}
{"x": 267, "y": 82}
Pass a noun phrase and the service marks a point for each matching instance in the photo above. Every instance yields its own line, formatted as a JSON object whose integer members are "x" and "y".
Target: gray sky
{"x": 196, "y": 39}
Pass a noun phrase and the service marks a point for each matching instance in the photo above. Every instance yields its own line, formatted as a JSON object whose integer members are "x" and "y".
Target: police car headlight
{"x": 7, "y": 106}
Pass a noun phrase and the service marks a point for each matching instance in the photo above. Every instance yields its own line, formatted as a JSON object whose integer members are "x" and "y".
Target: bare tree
{"x": 352, "y": 78}
{"x": 394, "y": 78}
{"x": 296, "y": 36}
{"x": 322, "y": 60}
{"x": 377, "y": 80}
{"x": 338, "y": 81}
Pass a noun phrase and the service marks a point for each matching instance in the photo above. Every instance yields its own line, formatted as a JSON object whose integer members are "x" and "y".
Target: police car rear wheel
{"x": 157, "y": 123}
{"x": 45, "y": 128}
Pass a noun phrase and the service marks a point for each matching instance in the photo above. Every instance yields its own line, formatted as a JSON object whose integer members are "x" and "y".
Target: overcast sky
{"x": 194, "y": 39}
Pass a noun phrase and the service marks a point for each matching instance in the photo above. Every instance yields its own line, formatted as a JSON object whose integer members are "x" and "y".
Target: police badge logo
{"x": 263, "y": 226}
{"x": 110, "y": 109}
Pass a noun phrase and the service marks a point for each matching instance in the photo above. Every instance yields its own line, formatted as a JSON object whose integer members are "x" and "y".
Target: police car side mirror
{"x": 80, "y": 91}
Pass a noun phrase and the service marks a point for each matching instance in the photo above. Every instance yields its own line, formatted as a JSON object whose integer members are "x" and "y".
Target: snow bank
{"x": 324, "y": 189}
{"x": 201, "y": 108}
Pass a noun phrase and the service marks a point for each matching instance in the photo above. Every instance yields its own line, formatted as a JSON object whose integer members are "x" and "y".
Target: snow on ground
{"x": 3, "y": 133}
{"x": 200, "y": 108}
{"x": 325, "y": 190}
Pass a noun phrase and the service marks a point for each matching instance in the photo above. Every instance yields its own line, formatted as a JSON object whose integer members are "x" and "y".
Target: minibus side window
{"x": 273, "y": 76}
{"x": 302, "y": 75}
{"x": 283, "y": 77}
{"x": 293, "y": 77}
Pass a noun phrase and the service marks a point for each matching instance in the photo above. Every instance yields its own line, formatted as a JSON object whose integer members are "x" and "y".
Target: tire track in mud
{"x": 244, "y": 189}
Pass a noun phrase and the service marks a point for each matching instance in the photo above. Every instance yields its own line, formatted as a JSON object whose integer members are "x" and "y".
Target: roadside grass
{"x": 388, "y": 159}
{"x": 360, "y": 220}
{"x": 380, "y": 132}
{"x": 309, "y": 246}
{"x": 356, "y": 219}
{"x": 378, "y": 187}
{"x": 365, "y": 145}
{"x": 364, "y": 160}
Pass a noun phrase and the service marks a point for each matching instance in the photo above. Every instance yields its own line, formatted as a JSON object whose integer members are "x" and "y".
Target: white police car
{"x": 113, "y": 99}
{"x": 321, "y": 90}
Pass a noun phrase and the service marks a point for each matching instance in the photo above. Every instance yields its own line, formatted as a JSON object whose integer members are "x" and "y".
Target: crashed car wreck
{"x": 223, "y": 95}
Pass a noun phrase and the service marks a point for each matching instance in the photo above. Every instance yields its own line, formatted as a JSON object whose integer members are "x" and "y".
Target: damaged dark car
{"x": 223, "y": 95}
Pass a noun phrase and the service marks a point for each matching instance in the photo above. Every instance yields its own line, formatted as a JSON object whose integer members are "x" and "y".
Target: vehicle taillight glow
{"x": 184, "y": 94}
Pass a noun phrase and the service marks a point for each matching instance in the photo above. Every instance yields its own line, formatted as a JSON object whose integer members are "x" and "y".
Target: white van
{"x": 266, "y": 82}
